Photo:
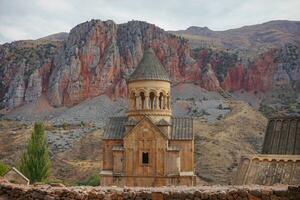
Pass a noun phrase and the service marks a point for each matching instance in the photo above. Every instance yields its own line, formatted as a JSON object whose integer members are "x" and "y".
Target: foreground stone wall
{"x": 18, "y": 192}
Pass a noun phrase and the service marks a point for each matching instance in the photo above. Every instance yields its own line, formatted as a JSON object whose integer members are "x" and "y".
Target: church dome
{"x": 149, "y": 69}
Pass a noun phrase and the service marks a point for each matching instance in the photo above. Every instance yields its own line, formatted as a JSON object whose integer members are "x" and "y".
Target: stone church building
{"x": 149, "y": 146}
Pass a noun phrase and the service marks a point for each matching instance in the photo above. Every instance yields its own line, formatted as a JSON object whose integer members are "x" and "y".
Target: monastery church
{"x": 148, "y": 146}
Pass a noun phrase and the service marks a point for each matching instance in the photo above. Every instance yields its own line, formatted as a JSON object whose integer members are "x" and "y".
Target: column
{"x": 146, "y": 103}
{"x": 137, "y": 102}
{"x": 164, "y": 106}
{"x": 130, "y": 103}
{"x": 156, "y": 102}
{"x": 134, "y": 103}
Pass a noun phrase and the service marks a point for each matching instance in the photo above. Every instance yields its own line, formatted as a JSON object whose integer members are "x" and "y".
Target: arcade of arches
{"x": 149, "y": 100}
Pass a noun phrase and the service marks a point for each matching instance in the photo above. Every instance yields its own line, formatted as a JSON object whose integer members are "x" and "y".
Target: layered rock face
{"x": 24, "y": 71}
{"x": 271, "y": 69}
{"x": 98, "y": 56}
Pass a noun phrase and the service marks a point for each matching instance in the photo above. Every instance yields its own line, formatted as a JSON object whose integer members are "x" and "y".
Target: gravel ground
{"x": 191, "y": 100}
{"x": 60, "y": 141}
{"x": 188, "y": 100}
{"x": 95, "y": 111}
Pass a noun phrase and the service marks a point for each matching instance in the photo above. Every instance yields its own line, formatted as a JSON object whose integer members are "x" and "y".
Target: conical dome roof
{"x": 149, "y": 69}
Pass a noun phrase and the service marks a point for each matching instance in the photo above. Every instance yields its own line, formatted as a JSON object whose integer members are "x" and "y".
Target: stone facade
{"x": 279, "y": 162}
{"x": 148, "y": 147}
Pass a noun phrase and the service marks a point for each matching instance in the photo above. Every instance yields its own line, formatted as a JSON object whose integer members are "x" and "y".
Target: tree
{"x": 35, "y": 163}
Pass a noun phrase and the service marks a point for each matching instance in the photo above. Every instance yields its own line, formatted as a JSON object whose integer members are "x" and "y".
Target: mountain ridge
{"x": 252, "y": 37}
{"x": 98, "y": 55}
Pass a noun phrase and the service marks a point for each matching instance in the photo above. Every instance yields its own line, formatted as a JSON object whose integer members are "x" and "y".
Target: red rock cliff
{"x": 98, "y": 56}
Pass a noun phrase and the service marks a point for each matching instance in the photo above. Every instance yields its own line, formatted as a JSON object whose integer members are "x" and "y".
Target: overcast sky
{"x": 31, "y": 19}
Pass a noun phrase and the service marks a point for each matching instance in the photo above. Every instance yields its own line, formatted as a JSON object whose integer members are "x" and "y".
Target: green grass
{"x": 3, "y": 168}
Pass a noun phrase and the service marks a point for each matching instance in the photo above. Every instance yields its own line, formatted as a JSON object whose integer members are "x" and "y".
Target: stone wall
{"x": 18, "y": 192}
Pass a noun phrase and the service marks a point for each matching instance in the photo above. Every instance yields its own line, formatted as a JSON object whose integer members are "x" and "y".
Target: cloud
{"x": 33, "y": 19}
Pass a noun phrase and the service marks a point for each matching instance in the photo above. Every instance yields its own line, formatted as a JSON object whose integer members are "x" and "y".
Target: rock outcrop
{"x": 25, "y": 70}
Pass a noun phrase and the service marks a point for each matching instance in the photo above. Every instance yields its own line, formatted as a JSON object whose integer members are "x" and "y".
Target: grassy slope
{"x": 219, "y": 146}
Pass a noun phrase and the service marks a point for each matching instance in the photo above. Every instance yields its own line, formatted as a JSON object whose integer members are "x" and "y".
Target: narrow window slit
{"x": 145, "y": 158}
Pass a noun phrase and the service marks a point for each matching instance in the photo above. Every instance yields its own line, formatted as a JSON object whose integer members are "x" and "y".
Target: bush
{"x": 93, "y": 180}
{"x": 219, "y": 117}
{"x": 3, "y": 168}
{"x": 65, "y": 126}
{"x": 267, "y": 110}
{"x": 220, "y": 107}
{"x": 82, "y": 124}
{"x": 35, "y": 163}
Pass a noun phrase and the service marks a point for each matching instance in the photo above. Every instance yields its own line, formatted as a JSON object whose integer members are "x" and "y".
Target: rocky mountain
{"x": 247, "y": 38}
{"x": 62, "y": 36}
{"x": 74, "y": 81}
{"x": 264, "y": 62}
{"x": 98, "y": 56}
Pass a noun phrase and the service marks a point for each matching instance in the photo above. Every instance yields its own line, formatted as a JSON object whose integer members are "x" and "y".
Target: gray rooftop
{"x": 149, "y": 68}
{"x": 115, "y": 128}
{"x": 182, "y": 128}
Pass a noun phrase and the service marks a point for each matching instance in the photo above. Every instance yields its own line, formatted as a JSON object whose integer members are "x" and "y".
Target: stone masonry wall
{"x": 46, "y": 192}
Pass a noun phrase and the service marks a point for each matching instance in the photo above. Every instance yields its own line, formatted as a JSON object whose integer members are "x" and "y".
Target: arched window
{"x": 168, "y": 102}
{"x": 160, "y": 99}
{"x": 142, "y": 95}
{"x": 152, "y": 97}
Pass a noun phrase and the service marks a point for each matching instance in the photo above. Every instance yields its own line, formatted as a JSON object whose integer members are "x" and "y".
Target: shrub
{"x": 267, "y": 110}
{"x": 3, "y": 168}
{"x": 65, "y": 126}
{"x": 93, "y": 180}
{"x": 82, "y": 124}
{"x": 219, "y": 117}
{"x": 35, "y": 163}
{"x": 220, "y": 106}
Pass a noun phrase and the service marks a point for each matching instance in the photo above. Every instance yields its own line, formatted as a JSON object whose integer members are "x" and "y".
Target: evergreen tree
{"x": 35, "y": 162}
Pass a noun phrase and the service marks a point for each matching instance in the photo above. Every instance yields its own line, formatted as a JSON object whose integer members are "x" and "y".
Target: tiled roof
{"x": 282, "y": 136}
{"x": 162, "y": 122}
{"x": 115, "y": 128}
{"x": 131, "y": 122}
{"x": 149, "y": 69}
{"x": 182, "y": 128}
